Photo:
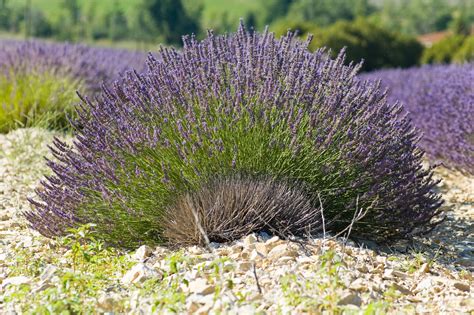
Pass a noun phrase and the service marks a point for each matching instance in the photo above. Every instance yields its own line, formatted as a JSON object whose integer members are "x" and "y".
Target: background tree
{"x": 326, "y": 12}
{"x": 377, "y": 46}
{"x": 163, "y": 19}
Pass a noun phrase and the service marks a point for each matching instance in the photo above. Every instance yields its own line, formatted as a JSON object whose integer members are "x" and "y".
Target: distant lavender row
{"x": 440, "y": 101}
{"x": 92, "y": 65}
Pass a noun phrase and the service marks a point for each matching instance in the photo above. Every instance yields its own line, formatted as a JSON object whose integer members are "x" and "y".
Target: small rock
{"x": 351, "y": 299}
{"x": 203, "y": 310}
{"x": 3, "y": 257}
{"x": 200, "y": 286}
{"x": 16, "y": 281}
{"x": 195, "y": 250}
{"x": 255, "y": 255}
{"x": 215, "y": 245}
{"x": 254, "y": 296}
{"x": 139, "y": 273}
{"x": 282, "y": 250}
{"x": 402, "y": 289}
{"x": 390, "y": 274}
{"x": 285, "y": 259}
{"x": 400, "y": 274}
{"x": 358, "y": 285}
{"x": 244, "y": 255}
{"x": 192, "y": 307}
{"x": 142, "y": 253}
{"x": 250, "y": 239}
{"x": 465, "y": 262}
{"x": 236, "y": 249}
{"x": 424, "y": 284}
{"x": 380, "y": 268}
{"x": 273, "y": 241}
{"x": 41, "y": 287}
{"x": 48, "y": 273}
{"x": 106, "y": 303}
{"x": 262, "y": 248}
{"x": 244, "y": 266}
{"x": 363, "y": 269}
{"x": 425, "y": 268}
{"x": 462, "y": 286}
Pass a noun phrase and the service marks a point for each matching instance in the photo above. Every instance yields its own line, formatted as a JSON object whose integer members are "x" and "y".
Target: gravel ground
{"x": 258, "y": 274}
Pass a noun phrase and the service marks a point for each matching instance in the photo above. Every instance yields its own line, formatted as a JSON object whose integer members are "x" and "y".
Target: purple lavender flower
{"x": 440, "y": 102}
{"x": 92, "y": 64}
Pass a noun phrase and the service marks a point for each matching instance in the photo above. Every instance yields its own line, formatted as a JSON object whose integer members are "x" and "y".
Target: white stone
{"x": 200, "y": 286}
{"x": 350, "y": 299}
{"x": 282, "y": 250}
{"x": 358, "y": 285}
{"x": 142, "y": 253}
{"x": 48, "y": 273}
{"x": 139, "y": 273}
{"x": 106, "y": 303}
{"x": 462, "y": 286}
{"x": 250, "y": 239}
{"x": 16, "y": 281}
{"x": 244, "y": 266}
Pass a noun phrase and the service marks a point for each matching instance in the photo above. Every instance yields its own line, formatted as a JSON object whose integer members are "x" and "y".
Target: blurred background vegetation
{"x": 385, "y": 33}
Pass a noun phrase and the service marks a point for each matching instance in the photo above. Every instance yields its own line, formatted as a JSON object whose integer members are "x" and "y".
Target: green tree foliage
{"x": 416, "y": 16}
{"x": 326, "y": 12}
{"x": 462, "y": 19}
{"x": 162, "y": 19}
{"x": 466, "y": 52}
{"x": 364, "y": 40}
{"x": 444, "y": 50}
{"x": 116, "y": 23}
{"x": 273, "y": 10}
{"x": 282, "y": 26}
{"x": 456, "y": 48}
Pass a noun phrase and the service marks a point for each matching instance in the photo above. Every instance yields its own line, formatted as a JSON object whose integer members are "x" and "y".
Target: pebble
{"x": 139, "y": 273}
{"x": 401, "y": 288}
{"x": 358, "y": 285}
{"x": 106, "y": 303}
{"x": 48, "y": 273}
{"x": 350, "y": 299}
{"x": 18, "y": 280}
{"x": 142, "y": 253}
{"x": 200, "y": 286}
{"x": 250, "y": 239}
{"x": 462, "y": 286}
{"x": 280, "y": 251}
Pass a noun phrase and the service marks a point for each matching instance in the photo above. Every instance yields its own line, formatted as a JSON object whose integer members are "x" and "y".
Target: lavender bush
{"x": 235, "y": 111}
{"x": 38, "y": 79}
{"x": 440, "y": 102}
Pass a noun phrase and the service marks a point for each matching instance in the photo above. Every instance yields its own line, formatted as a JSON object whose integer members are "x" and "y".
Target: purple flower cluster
{"x": 93, "y": 65}
{"x": 244, "y": 103}
{"x": 440, "y": 102}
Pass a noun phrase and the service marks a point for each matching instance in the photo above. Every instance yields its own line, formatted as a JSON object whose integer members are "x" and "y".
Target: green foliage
{"x": 165, "y": 19}
{"x": 444, "y": 50}
{"x": 36, "y": 100}
{"x": 465, "y": 53}
{"x": 416, "y": 16}
{"x": 378, "y": 47}
{"x": 281, "y": 27}
{"x": 327, "y": 12}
